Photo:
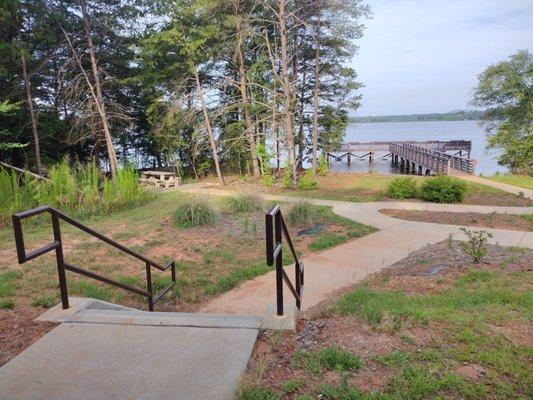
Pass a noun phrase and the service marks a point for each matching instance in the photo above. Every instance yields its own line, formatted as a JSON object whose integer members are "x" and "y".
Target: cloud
{"x": 424, "y": 56}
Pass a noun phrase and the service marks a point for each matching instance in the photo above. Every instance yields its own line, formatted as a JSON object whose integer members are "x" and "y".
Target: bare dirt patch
{"x": 493, "y": 220}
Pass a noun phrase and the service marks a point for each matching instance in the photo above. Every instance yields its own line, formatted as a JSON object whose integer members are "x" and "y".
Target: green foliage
{"x": 402, "y": 188}
{"x": 290, "y": 385}
{"x": 225, "y": 283}
{"x": 286, "y": 179}
{"x": 323, "y": 167}
{"x": 243, "y": 203}
{"x": 476, "y": 245}
{"x": 307, "y": 181}
{"x": 6, "y": 304}
{"x": 327, "y": 240}
{"x": 193, "y": 212}
{"x": 300, "y": 213}
{"x": 85, "y": 288}
{"x": 45, "y": 301}
{"x": 329, "y": 358}
{"x": 78, "y": 190}
{"x": 258, "y": 394}
{"x": 443, "y": 189}
{"x": 506, "y": 90}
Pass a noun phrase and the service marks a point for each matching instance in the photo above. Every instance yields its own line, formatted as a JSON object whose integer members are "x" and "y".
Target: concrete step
{"x": 138, "y": 317}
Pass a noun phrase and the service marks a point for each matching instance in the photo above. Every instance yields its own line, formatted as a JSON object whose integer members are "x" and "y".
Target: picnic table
{"x": 159, "y": 179}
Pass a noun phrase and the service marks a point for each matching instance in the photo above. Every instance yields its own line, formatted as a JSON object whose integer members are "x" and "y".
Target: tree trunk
{"x": 113, "y": 163}
{"x": 315, "y": 93}
{"x": 289, "y": 143}
{"x": 208, "y": 126}
{"x": 29, "y": 98}
{"x": 244, "y": 95}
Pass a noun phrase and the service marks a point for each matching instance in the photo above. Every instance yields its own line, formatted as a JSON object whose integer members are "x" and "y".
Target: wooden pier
{"x": 414, "y": 158}
{"x": 422, "y": 157}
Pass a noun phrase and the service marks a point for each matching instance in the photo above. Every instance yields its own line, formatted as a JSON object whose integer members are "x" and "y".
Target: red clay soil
{"x": 495, "y": 221}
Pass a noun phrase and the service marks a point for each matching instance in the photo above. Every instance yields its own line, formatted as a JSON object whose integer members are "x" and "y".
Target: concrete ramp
{"x": 123, "y": 354}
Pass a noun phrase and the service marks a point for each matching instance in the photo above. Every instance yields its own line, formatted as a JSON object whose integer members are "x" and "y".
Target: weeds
{"x": 243, "y": 203}
{"x": 329, "y": 358}
{"x": 193, "y": 212}
{"x": 300, "y": 213}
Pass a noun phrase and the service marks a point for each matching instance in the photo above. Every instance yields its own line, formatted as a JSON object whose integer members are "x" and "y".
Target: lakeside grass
{"x": 524, "y": 181}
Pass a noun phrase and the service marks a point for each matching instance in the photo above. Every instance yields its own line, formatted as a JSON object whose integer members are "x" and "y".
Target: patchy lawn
{"x": 524, "y": 181}
{"x": 523, "y": 222}
{"x": 370, "y": 187}
{"x": 210, "y": 260}
{"x": 432, "y": 326}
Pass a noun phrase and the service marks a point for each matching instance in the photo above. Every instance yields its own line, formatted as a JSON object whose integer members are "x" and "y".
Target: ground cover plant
{"x": 434, "y": 325}
{"x": 517, "y": 222}
{"x": 443, "y": 189}
{"x": 370, "y": 187}
{"x": 401, "y": 188}
{"x": 210, "y": 258}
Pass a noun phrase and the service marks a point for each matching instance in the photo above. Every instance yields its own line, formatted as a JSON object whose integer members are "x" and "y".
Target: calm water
{"x": 424, "y": 130}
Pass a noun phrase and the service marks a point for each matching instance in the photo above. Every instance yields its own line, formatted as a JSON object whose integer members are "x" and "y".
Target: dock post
{"x": 370, "y": 154}
{"x": 419, "y": 170}
{"x": 349, "y": 158}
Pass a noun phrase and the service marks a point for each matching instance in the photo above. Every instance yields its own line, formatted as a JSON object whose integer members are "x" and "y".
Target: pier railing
{"x": 433, "y": 160}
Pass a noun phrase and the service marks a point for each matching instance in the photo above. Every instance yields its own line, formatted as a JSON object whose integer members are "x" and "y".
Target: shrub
{"x": 300, "y": 213}
{"x": 194, "y": 211}
{"x": 323, "y": 167}
{"x": 444, "y": 189}
{"x": 243, "y": 203}
{"x": 124, "y": 191}
{"x": 307, "y": 181}
{"x": 477, "y": 244}
{"x": 15, "y": 194}
{"x": 401, "y": 188}
{"x": 286, "y": 179}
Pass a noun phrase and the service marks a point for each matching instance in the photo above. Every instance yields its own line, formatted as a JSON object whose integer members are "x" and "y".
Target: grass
{"x": 300, "y": 213}
{"x": 460, "y": 319}
{"x": 193, "y": 212}
{"x": 243, "y": 203}
{"x": 524, "y": 181}
{"x": 213, "y": 258}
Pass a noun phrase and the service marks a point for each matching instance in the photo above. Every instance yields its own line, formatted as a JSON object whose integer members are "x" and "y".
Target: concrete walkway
{"x": 352, "y": 262}
{"x": 103, "y": 352}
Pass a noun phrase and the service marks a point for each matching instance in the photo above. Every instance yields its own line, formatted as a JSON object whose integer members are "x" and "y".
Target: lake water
{"x": 423, "y": 130}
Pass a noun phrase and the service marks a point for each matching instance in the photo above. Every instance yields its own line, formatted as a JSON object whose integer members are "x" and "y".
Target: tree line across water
{"x": 205, "y": 85}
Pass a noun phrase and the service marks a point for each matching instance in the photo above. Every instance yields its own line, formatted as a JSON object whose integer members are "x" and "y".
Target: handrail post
{"x": 60, "y": 260}
{"x": 279, "y": 263}
{"x": 149, "y": 286}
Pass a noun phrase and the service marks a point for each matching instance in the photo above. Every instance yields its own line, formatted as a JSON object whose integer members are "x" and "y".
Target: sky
{"x": 423, "y": 56}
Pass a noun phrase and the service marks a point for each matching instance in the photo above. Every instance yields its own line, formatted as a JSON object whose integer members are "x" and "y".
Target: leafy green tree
{"x": 506, "y": 90}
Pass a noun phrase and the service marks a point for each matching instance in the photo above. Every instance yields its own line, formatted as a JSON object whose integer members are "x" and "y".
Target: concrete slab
{"x": 107, "y": 361}
{"x": 77, "y": 304}
{"x": 285, "y": 322}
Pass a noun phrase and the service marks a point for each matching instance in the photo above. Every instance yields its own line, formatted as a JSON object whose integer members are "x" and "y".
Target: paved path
{"x": 351, "y": 262}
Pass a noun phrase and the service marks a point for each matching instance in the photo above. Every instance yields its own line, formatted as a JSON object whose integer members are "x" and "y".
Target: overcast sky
{"x": 421, "y": 56}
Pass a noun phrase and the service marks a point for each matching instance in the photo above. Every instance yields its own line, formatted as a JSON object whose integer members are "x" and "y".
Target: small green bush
{"x": 307, "y": 181}
{"x": 477, "y": 244}
{"x": 300, "y": 213}
{"x": 444, "y": 189}
{"x": 402, "y": 188}
{"x": 243, "y": 203}
{"x": 286, "y": 179}
{"x": 194, "y": 211}
{"x": 323, "y": 167}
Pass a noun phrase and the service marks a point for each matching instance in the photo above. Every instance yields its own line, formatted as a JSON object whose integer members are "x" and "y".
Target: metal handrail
{"x": 62, "y": 266}
{"x": 276, "y": 229}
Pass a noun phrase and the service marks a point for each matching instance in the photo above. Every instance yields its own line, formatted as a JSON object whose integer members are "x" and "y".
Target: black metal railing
{"x": 62, "y": 266}
{"x": 275, "y": 231}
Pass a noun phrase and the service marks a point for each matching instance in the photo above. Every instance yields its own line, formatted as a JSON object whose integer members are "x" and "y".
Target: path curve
{"x": 353, "y": 261}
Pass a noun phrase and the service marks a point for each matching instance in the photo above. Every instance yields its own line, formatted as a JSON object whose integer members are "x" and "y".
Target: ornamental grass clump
{"x": 402, "y": 188}
{"x": 243, "y": 203}
{"x": 300, "y": 213}
{"x": 193, "y": 212}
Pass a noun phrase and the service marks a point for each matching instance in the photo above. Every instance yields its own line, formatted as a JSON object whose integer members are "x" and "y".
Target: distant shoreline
{"x": 474, "y": 115}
